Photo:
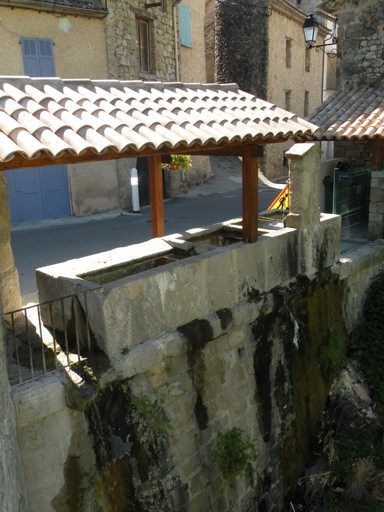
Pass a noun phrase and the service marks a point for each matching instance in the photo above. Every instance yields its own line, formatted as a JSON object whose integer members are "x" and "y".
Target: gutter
{"x": 175, "y": 4}
{"x": 54, "y": 8}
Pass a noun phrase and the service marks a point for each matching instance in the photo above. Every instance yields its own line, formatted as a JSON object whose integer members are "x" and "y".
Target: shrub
{"x": 234, "y": 454}
{"x": 369, "y": 346}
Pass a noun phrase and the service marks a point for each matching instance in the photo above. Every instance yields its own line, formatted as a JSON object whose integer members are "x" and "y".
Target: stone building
{"x": 164, "y": 43}
{"x": 64, "y": 40}
{"x": 260, "y": 46}
{"x": 358, "y": 133}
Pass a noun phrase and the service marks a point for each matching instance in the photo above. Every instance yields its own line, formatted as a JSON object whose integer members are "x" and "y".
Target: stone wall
{"x": 120, "y": 37}
{"x": 360, "y": 61}
{"x": 251, "y": 366}
{"x": 376, "y": 206}
{"x": 242, "y": 45}
{"x": 353, "y": 152}
{"x": 13, "y": 493}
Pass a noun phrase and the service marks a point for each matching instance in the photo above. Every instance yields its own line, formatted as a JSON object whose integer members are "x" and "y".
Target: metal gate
{"x": 351, "y": 189}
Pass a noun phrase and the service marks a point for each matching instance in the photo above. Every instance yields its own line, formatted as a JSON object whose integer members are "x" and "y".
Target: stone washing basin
{"x": 141, "y": 292}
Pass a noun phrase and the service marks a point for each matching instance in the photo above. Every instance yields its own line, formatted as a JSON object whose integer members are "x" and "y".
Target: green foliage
{"x": 370, "y": 343}
{"x": 332, "y": 353}
{"x": 234, "y": 454}
{"x": 168, "y": 370}
{"x": 349, "y": 451}
{"x": 184, "y": 161}
{"x": 152, "y": 413}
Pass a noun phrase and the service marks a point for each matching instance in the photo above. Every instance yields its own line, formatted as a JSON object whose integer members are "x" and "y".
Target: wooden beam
{"x": 378, "y": 153}
{"x": 224, "y": 149}
{"x": 156, "y": 191}
{"x": 250, "y": 197}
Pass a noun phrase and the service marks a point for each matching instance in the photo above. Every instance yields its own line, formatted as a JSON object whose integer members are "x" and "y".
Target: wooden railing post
{"x": 156, "y": 191}
{"x": 378, "y": 153}
{"x": 250, "y": 193}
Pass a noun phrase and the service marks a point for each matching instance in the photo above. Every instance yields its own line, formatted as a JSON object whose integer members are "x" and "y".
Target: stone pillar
{"x": 13, "y": 495}
{"x": 304, "y": 211}
{"x": 9, "y": 279}
{"x": 376, "y": 206}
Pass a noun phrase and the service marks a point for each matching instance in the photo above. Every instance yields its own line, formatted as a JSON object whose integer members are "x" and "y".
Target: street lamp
{"x": 311, "y": 30}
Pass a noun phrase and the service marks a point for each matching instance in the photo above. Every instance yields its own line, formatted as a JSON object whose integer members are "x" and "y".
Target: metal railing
{"x": 44, "y": 337}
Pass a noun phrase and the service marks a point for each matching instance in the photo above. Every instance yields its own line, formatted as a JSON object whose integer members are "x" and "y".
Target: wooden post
{"x": 378, "y": 153}
{"x": 156, "y": 190}
{"x": 250, "y": 194}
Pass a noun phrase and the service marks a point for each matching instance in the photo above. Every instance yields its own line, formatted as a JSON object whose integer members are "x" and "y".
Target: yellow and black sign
{"x": 282, "y": 200}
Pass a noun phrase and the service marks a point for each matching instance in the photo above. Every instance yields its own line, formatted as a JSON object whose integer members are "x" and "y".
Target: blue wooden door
{"x": 38, "y": 193}
{"x": 42, "y": 192}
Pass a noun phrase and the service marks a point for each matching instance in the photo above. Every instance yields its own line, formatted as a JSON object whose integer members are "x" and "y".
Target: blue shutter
{"x": 38, "y": 57}
{"x": 30, "y": 56}
{"x": 185, "y": 25}
{"x": 47, "y": 64}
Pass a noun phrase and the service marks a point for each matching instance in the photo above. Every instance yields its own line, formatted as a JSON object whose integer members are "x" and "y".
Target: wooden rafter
{"x": 249, "y": 151}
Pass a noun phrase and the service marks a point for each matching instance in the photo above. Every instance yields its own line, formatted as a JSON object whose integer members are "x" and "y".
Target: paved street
{"x": 45, "y": 243}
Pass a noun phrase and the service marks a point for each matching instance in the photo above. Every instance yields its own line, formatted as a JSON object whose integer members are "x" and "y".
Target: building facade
{"x": 260, "y": 46}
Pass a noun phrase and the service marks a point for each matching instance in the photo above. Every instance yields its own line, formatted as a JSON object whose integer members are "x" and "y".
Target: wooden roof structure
{"x": 49, "y": 121}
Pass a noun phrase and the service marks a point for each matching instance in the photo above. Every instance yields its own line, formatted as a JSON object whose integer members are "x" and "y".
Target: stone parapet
{"x": 131, "y": 310}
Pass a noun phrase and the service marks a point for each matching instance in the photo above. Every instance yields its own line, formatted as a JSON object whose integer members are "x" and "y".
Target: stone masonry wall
{"x": 242, "y": 45}
{"x": 252, "y": 366}
{"x": 360, "y": 61}
{"x": 13, "y": 494}
{"x": 376, "y": 206}
{"x": 120, "y": 36}
{"x": 353, "y": 152}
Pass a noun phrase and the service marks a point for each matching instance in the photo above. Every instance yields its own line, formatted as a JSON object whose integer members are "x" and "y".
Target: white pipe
{"x": 176, "y": 41}
{"x": 135, "y": 191}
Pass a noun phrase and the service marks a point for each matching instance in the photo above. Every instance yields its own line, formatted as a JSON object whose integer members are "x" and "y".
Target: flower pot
{"x": 174, "y": 167}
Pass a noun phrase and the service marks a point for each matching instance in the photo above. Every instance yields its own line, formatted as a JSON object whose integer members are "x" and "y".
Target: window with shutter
{"x": 185, "y": 25}
{"x": 142, "y": 35}
{"x": 38, "y": 57}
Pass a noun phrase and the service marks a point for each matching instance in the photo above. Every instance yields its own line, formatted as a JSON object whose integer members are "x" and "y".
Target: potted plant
{"x": 178, "y": 161}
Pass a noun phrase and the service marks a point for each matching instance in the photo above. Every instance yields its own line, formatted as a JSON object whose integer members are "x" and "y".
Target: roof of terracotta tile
{"x": 358, "y": 114}
{"x": 52, "y": 117}
{"x": 94, "y": 5}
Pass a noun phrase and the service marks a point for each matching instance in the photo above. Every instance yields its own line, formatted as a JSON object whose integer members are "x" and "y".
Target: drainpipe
{"x": 176, "y": 39}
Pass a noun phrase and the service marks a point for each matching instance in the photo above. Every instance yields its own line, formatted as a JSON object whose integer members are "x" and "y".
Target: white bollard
{"x": 135, "y": 191}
